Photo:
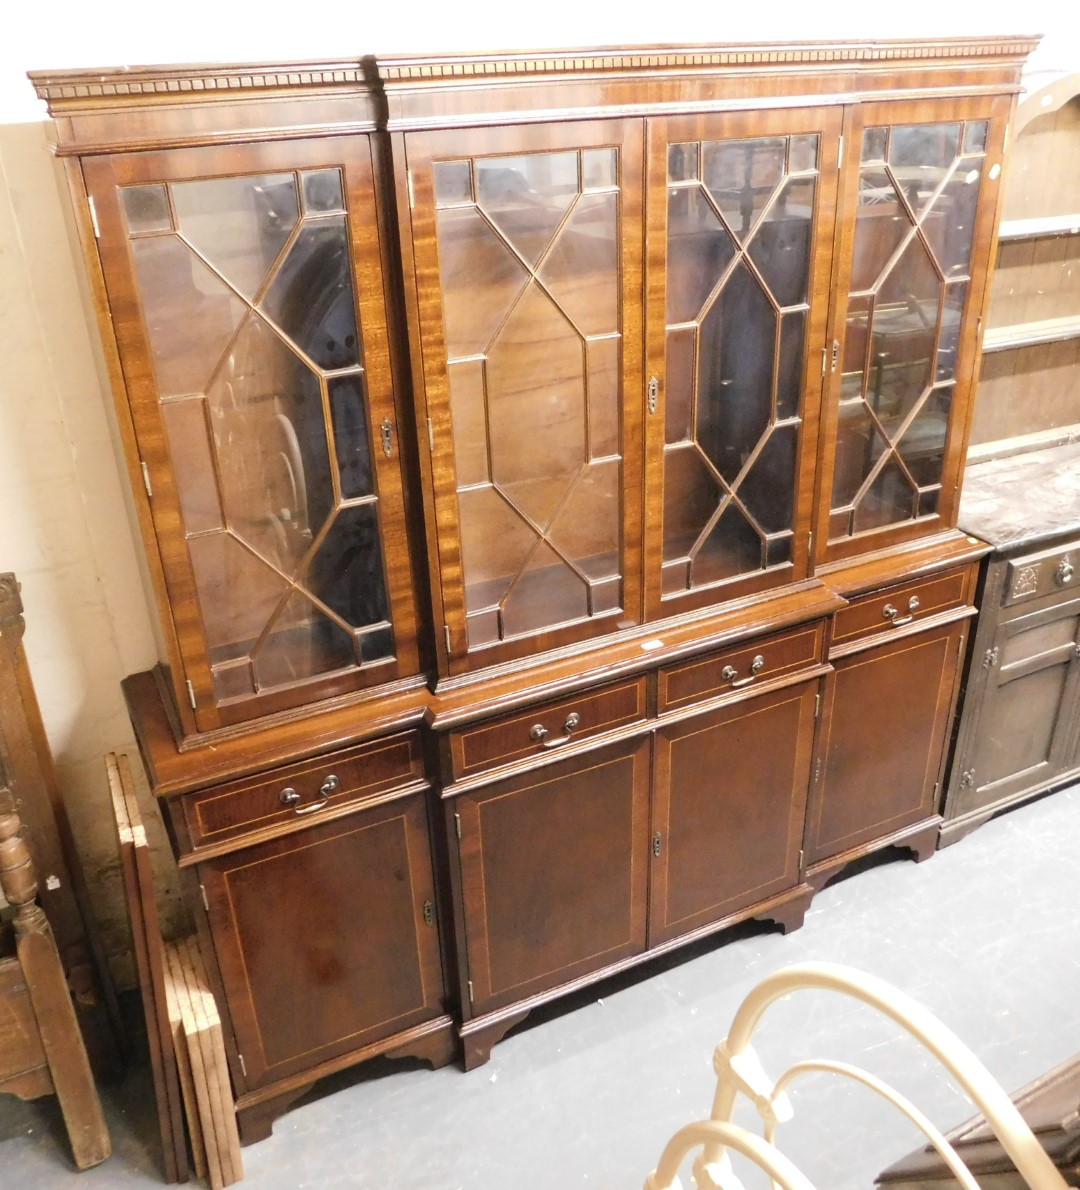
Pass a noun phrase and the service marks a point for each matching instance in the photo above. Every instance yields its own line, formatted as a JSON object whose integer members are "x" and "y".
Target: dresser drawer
{"x": 750, "y": 664}
{"x": 1045, "y": 573}
{"x": 893, "y": 607}
{"x": 546, "y": 727}
{"x": 302, "y": 790}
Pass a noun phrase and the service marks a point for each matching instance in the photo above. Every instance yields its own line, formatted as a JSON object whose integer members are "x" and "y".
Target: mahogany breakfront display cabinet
{"x": 548, "y": 468}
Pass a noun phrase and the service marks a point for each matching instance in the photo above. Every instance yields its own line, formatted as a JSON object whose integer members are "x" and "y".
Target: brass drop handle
{"x": 890, "y": 612}
{"x": 540, "y": 732}
{"x": 1064, "y": 573}
{"x": 289, "y": 797}
{"x": 729, "y": 672}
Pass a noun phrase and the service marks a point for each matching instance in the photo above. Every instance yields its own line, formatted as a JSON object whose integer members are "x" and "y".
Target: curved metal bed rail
{"x": 739, "y": 1071}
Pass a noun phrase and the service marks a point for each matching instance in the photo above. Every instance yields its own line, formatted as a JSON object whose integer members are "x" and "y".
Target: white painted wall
{"x": 64, "y": 528}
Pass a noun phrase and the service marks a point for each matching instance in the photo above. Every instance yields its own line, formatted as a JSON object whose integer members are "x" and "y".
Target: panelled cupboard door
{"x": 554, "y": 869}
{"x": 1028, "y": 709}
{"x": 918, "y": 204}
{"x": 740, "y": 209}
{"x": 326, "y": 939}
{"x": 526, "y": 247}
{"x": 246, "y": 291}
{"x": 729, "y": 809}
{"x": 885, "y": 721}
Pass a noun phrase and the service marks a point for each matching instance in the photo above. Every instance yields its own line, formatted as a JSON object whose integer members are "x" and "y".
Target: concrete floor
{"x": 986, "y": 934}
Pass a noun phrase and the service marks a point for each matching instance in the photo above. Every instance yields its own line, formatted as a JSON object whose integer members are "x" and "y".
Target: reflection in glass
{"x": 741, "y": 177}
{"x": 682, "y": 163}
{"x": 193, "y": 464}
{"x": 348, "y": 413}
{"x": 146, "y": 209}
{"x": 547, "y": 590}
{"x": 585, "y": 530}
{"x": 679, "y": 394}
{"x": 453, "y": 183}
{"x": 598, "y": 167}
{"x": 732, "y": 548}
{"x": 699, "y": 250}
{"x": 781, "y": 244}
{"x": 302, "y": 643}
{"x": 949, "y": 340}
{"x": 347, "y": 571}
{"x": 873, "y": 144}
{"x": 789, "y": 364}
{"x": 527, "y": 197}
{"x": 322, "y": 191}
{"x": 603, "y": 363}
{"x": 580, "y": 269}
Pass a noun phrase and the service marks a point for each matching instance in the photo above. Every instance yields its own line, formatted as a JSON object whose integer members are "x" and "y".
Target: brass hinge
{"x": 471, "y": 997}
{"x": 839, "y": 152}
{"x": 387, "y": 430}
{"x": 937, "y": 786}
{"x": 824, "y": 360}
{"x": 657, "y": 844}
{"x": 990, "y": 658}
{"x": 810, "y": 543}
{"x": 412, "y": 193}
{"x": 191, "y": 695}
{"x": 93, "y": 217}
{"x": 206, "y": 903}
{"x": 457, "y": 824}
{"x": 243, "y": 1064}
{"x": 802, "y": 856}
{"x": 429, "y": 913}
{"x": 654, "y": 393}
{"x": 146, "y": 480}
{"x": 446, "y": 633}
{"x": 431, "y": 435}
{"x": 817, "y": 706}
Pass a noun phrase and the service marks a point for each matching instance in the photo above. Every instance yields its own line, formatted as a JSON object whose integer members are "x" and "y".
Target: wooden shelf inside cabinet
{"x": 1028, "y": 334}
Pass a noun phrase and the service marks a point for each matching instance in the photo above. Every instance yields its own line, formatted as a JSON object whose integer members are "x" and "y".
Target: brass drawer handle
{"x": 540, "y": 732}
{"x": 289, "y": 797}
{"x": 310, "y": 809}
{"x": 890, "y": 613}
{"x": 1064, "y": 573}
{"x": 729, "y": 672}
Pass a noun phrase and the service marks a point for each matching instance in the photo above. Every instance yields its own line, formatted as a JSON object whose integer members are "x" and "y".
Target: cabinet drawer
{"x": 757, "y": 662}
{"x": 1045, "y": 573}
{"x": 299, "y": 790}
{"x": 542, "y": 728}
{"x": 894, "y": 607}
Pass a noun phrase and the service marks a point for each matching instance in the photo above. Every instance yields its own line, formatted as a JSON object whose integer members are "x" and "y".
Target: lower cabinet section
{"x": 326, "y": 938}
{"x": 729, "y": 804}
{"x": 553, "y": 872}
{"x": 885, "y": 724}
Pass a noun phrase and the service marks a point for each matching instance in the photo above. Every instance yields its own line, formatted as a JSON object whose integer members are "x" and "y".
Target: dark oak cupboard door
{"x": 740, "y": 211}
{"x": 919, "y": 196}
{"x": 247, "y": 297}
{"x": 526, "y": 246}
{"x": 729, "y": 809}
{"x": 885, "y": 721}
{"x": 326, "y": 939}
{"x": 554, "y": 871}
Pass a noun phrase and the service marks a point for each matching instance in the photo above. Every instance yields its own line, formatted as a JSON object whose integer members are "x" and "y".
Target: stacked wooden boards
{"x": 187, "y": 1050}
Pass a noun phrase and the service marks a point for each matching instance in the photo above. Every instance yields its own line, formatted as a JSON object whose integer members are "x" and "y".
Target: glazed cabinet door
{"x": 553, "y": 873}
{"x": 526, "y": 253}
{"x": 740, "y": 235}
{"x": 919, "y": 197}
{"x": 885, "y": 723}
{"x": 246, "y": 292}
{"x": 1027, "y": 713}
{"x": 729, "y": 809}
{"x": 326, "y": 938}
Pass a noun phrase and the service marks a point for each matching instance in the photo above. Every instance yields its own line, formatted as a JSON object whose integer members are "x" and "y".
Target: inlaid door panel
{"x": 740, "y": 211}
{"x": 919, "y": 195}
{"x": 554, "y": 872}
{"x": 527, "y": 256}
{"x": 326, "y": 939}
{"x": 248, "y": 307}
{"x": 729, "y": 809}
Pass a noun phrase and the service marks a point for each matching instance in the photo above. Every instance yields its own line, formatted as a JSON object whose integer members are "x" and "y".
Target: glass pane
{"x": 146, "y": 209}
{"x": 482, "y": 628}
{"x": 536, "y": 406}
{"x": 778, "y": 551}
{"x": 920, "y": 155}
{"x": 527, "y": 197}
{"x": 731, "y": 549}
{"x": 347, "y": 571}
{"x": 303, "y": 642}
{"x": 699, "y": 250}
{"x": 239, "y": 224}
{"x": 547, "y": 592}
{"x": 322, "y": 191}
{"x": 469, "y": 421}
{"x": 235, "y": 680}
{"x": 599, "y": 168}
{"x": 586, "y": 529}
{"x": 605, "y": 596}
{"x": 768, "y": 491}
{"x": 495, "y": 542}
{"x": 950, "y": 222}
{"x": 190, "y": 314}
{"x": 789, "y": 367}
{"x": 481, "y": 277}
{"x": 683, "y": 162}
{"x": 675, "y": 577}
{"x": 891, "y": 499}
{"x": 975, "y": 132}
{"x": 922, "y": 446}
{"x": 735, "y": 364}
{"x": 311, "y": 298}
{"x": 376, "y": 644}
{"x": 952, "y": 315}
{"x": 193, "y": 464}
{"x": 603, "y": 357}
{"x": 679, "y": 394}
{"x": 859, "y": 445}
{"x": 803, "y": 153}
{"x": 781, "y": 244}
{"x": 237, "y": 594}
{"x": 882, "y": 224}
{"x": 453, "y": 183}
{"x": 928, "y": 501}
{"x": 267, "y": 418}
{"x": 856, "y": 341}
{"x": 691, "y": 496}
{"x": 742, "y": 175}
{"x": 581, "y": 270}
{"x": 873, "y": 144}
{"x": 353, "y": 447}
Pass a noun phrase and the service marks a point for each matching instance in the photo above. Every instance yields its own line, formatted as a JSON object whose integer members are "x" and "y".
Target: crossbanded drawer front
{"x": 894, "y": 607}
